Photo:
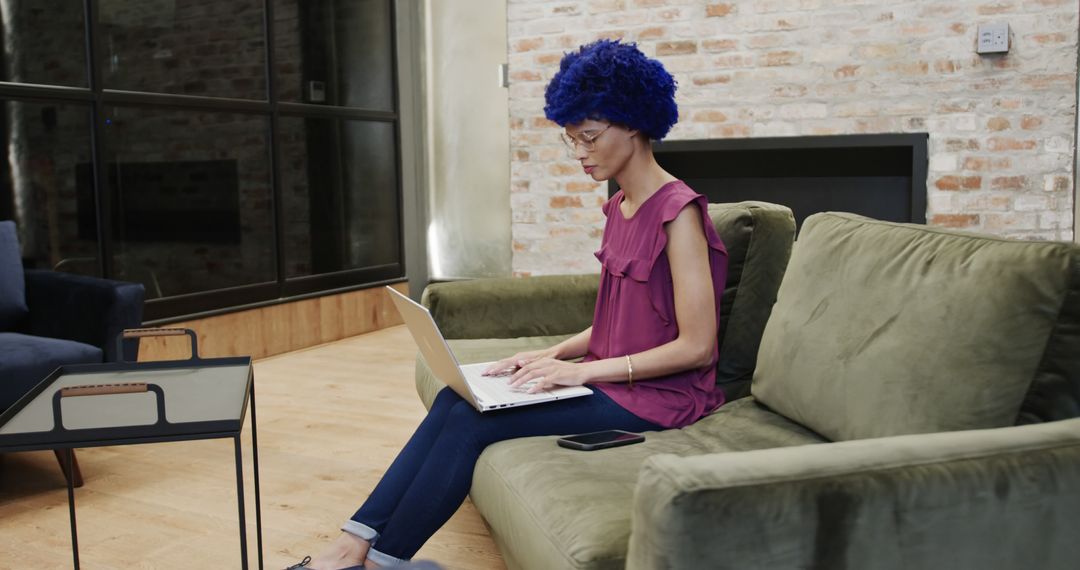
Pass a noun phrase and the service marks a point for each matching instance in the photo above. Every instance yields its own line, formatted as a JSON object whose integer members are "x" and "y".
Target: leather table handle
{"x": 100, "y": 389}
{"x": 140, "y": 333}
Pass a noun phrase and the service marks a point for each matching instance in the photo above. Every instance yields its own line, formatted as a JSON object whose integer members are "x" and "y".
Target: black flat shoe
{"x": 303, "y": 564}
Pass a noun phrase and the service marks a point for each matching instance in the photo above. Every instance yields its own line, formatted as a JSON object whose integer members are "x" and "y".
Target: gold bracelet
{"x": 630, "y": 371}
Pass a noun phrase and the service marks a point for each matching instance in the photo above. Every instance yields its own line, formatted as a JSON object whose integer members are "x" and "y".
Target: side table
{"x": 124, "y": 403}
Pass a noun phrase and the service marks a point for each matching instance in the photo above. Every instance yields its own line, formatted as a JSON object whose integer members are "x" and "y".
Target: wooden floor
{"x": 331, "y": 419}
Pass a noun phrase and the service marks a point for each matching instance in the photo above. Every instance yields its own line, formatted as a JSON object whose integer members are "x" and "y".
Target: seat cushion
{"x": 530, "y": 490}
{"x": 12, "y": 287}
{"x": 29, "y": 359}
{"x": 885, "y": 329}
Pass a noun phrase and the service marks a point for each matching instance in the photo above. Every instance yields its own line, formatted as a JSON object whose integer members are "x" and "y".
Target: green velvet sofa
{"x": 899, "y": 397}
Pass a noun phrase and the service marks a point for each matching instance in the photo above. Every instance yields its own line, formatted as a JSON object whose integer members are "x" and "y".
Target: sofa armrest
{"x": 84, "y": 309}
{"x": 513, "y": 307}
{"x": 1001, "y": 498}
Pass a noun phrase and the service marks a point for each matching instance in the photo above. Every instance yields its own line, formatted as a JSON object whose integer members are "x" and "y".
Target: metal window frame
{"x": 283, "y": 289}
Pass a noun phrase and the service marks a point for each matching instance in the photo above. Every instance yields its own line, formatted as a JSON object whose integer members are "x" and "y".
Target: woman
{"x": 652, "y": 349}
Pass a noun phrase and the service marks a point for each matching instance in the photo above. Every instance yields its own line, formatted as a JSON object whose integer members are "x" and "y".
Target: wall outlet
{"x": 993, "y": 38}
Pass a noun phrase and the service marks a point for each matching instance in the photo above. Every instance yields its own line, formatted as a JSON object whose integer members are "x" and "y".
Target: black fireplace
{"x": 880, "y": 176}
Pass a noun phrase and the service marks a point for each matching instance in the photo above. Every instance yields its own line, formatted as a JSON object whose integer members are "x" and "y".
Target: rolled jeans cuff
{"x": 360, "y": 530}
{"x": 383, "y": 559}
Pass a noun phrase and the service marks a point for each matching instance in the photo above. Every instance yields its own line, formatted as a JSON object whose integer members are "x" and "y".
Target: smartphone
{"x": 600, "y": 440}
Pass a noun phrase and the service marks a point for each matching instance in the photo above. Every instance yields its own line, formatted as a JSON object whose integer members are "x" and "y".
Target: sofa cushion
{"x": 884, "y": 329}
{"x": 29, "y": 359}
{"x": 758, "y": 238}
{"x": 12, "y": 287}
{"x": 515, "y": 482}
{"x": 532, "y": 492}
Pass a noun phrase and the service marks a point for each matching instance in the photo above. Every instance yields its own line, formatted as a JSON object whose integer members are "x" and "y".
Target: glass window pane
{"x": 44, "y": 42}
{"x": 335, "y": 52}
{"x": 212, "y": 49}
{"x": 46, "y": 147}
{"x": 190, "y": 199}
{"x": 339, "y": 194}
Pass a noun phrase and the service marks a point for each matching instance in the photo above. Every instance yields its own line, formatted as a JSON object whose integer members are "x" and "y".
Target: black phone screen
{"x": 600, "y": 440}
{"x": 602, "y": 437}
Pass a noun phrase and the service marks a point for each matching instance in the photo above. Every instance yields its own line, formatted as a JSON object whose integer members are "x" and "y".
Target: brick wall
{"x": 1001, "y": 127}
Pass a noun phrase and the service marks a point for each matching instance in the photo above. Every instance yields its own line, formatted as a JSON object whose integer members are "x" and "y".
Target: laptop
{"x": 486, "y": 393}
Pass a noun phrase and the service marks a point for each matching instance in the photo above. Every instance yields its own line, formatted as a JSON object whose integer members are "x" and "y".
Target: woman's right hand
{"x": 507, "y": 366}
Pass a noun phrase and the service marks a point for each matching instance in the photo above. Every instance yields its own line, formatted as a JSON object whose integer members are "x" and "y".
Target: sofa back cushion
{"x": 883, "y": 329}
{"x": 758, "y": 238}
{"x": 12, "y": 287}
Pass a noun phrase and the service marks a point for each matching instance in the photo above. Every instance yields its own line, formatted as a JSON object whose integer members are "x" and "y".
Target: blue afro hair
{"x": 613, "y": 81}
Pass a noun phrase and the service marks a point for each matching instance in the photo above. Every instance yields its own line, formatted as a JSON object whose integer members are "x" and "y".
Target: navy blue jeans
{"x": 431, "y": 476}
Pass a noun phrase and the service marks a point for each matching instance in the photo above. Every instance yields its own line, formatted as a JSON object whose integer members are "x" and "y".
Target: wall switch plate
{"x": 316, "y": 92}
{"x": 993, "y": 38}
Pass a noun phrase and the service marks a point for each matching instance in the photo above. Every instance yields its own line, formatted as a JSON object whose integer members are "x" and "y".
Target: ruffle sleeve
{"x": 638, "y": 264}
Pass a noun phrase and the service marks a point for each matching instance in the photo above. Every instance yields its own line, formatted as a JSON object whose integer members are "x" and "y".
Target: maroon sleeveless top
{"x": 635, "y": 307}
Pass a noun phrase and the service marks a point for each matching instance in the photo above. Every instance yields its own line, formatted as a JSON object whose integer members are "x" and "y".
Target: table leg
{"x": 255, "y": 461}
{"x": 69, "y": 455}
{"x": 240, "y": 502}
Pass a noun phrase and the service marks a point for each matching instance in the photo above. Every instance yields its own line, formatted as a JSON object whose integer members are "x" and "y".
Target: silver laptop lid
{"x": 432, "y": 345}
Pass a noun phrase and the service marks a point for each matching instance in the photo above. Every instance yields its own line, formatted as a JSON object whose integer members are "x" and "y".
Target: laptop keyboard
{"x": 496, "y": 388}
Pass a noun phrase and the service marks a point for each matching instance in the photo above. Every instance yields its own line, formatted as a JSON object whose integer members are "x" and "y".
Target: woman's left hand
{"x": 546, "y": 373}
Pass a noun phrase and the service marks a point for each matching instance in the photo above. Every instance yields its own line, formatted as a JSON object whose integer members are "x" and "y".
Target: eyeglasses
{"x": 586, "y": 140}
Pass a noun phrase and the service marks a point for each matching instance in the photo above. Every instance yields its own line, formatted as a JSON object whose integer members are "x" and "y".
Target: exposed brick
{"x": 582, "y": 186}
{"x": 734, "y": 60}
{"x": 996, "y": 8}
{"x": 948, "y": 183}
{"x": 527, "y": 75}
{"x": 1008, "y": 183}
{"x": 971, "y": 182}
{"x": 710, "y": 116}
{"x": 973, "y": 163}
{"x": 565, "y": 202}
{"x": 1001, "y": 127}
{"x": 955, "y": 220}
{"x": 781, "y": 58}
{"x": 731, "y": 131}
{"x": 846, "y": 71}
{"x": 528, "y": 44}
{"x": 1057, "y": 184}
{"x": 1030, "y": 122}
{"x": 715, "y": 46}
{"x": 998, "y": 144}
{"x": 601, "y": 6}
{"x": 1054, "y": 38}
{"x": 711, "y": 79}
{"x": 676, "y": 48}
{"x": 548, "y": 59}
{"x": 719, "y": 10}
{"x": 946, "y": 66}
{"x": 653, "y": 33}
{"x": 1009, "y": 221}
{"x": 952, "y": 182}
{"x": 563, "y": 169}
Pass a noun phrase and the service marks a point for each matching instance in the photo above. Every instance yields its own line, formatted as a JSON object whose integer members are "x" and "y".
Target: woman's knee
{"x": 462, "y": 415}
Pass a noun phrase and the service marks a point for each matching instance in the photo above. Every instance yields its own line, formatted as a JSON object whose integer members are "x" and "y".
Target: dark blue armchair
{"x": 48, "y": 319}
